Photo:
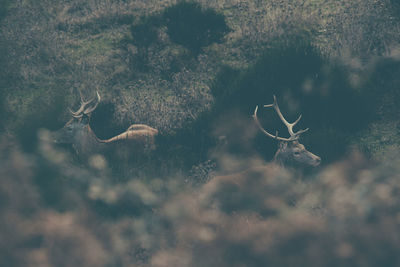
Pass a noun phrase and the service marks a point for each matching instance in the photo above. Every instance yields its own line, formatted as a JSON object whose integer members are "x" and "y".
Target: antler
{"x": 84, "y": 109}
{"x": 293, "y": 135}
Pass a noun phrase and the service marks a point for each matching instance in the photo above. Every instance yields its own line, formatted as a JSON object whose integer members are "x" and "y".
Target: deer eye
{"x": 296, "y": 153}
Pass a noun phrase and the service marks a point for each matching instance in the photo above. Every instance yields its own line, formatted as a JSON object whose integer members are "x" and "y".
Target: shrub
{"x": 193, "y": 27}
{"x": 145, "y": 32}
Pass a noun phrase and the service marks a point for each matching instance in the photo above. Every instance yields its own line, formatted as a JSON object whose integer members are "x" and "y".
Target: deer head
{"x": 290, "y": 151}
{"x": 77, "y": 131}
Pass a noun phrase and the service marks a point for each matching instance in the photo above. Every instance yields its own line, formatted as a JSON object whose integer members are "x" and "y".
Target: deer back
{"x": 138, "y": 135}
{"x": 78, "y": 133}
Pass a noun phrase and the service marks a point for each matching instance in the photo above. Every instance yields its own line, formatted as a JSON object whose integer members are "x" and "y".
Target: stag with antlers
{"x": 290, "y": 151}
{"x": 77, "y": 131}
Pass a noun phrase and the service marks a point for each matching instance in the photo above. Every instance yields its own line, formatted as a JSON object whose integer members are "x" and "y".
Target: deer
{"x": 290, "y": 151}
{"x": 77, "y": 131}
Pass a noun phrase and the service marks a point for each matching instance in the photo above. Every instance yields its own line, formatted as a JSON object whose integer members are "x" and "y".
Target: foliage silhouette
{"x": 193, "y": 27}
{"x": 145, "y": 32}
{"x": 395, "y": 8}
{"x": 4, "y": 6}
{"x": 103, "y": 123}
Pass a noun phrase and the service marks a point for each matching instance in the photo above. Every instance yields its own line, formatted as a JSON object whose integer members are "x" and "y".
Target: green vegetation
{"x": 195, "y": 70}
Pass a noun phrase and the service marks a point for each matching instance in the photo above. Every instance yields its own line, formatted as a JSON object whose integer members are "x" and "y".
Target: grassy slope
{"x": 90, "y": 46}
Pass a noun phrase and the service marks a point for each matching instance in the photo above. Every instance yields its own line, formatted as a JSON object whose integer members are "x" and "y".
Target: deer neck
{"x": 281, "y": 158}
{"x": 92, "y": 133}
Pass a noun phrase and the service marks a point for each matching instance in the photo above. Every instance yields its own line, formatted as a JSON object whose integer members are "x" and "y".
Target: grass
{"x": 100, "y": 45}
{"x": 380, "y": 139}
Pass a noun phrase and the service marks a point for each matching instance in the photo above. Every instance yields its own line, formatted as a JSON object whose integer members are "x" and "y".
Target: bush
{"x": 4, "y": 5}
{"x": 145, "y": 32}
{"x": 193, "y": 27}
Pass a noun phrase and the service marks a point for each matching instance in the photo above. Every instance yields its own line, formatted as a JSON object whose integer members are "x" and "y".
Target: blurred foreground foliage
{"x": 55, "y": 213}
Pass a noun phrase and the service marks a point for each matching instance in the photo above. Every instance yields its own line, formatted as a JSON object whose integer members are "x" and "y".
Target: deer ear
{"x": 282, "y": 145}
{"x": 85, "y": 119}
